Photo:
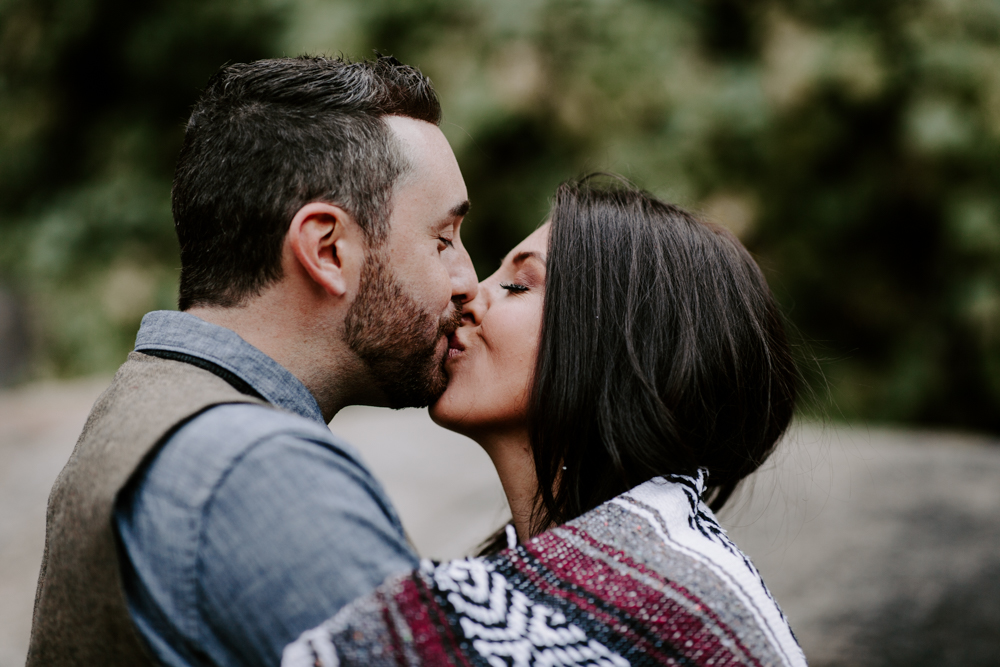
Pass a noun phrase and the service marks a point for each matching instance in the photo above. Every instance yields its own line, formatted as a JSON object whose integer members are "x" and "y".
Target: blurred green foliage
{"x": 854, "y": 146}
{"x": 93, "y": 99}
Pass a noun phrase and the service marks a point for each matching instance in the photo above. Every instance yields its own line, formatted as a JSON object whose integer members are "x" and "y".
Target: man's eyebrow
{"x": 459, "y": 210}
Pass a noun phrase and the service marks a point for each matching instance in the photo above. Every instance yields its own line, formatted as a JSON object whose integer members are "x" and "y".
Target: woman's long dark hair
{"x": 662, "y": 351}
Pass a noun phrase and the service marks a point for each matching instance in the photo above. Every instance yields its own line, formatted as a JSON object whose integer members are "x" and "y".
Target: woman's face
{"x": 491, "y": 358}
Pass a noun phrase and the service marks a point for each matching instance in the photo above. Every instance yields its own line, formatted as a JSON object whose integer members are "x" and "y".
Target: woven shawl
{"x": 648, "y": 578}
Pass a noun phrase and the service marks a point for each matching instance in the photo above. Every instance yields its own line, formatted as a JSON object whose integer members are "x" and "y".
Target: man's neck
{"x": 309, "y": 348}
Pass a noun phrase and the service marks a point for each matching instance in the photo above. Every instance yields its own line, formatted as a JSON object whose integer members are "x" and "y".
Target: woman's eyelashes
{"x": 514, "y": 288}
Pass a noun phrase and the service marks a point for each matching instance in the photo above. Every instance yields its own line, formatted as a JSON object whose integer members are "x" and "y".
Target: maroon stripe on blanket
{"x": 450, "y": 643}
{"x": 397, "y": 645}
{"x": 662, "y": 618}
{"x": 423, "y": 619}
{"x": 615, "y": 554}
{"x": 667, "y": 655}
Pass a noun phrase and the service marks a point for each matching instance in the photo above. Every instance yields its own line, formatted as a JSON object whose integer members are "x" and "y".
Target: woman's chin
{"x": 440, "y": 412}
{"x": 448, "y": 412}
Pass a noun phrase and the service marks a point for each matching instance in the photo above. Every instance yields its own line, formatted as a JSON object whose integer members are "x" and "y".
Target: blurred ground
{"x": 880, "y": 545}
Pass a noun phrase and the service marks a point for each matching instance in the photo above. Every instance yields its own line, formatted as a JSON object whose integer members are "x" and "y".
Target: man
{"x": 207, "y": 515}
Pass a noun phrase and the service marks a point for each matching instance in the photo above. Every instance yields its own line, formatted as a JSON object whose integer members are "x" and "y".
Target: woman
{"x": 625, "y": 369}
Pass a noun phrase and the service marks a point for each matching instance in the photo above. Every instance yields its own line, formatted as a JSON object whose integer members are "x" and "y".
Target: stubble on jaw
{"x": 395, "y": 338}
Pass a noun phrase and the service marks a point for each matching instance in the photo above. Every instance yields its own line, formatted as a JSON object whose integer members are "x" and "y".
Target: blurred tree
{"x": 94, "y": 95}
{"x": 853, "y": 146}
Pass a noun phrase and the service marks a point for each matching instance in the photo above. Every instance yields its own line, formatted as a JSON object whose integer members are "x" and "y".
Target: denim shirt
{"x": 250, "y": 524}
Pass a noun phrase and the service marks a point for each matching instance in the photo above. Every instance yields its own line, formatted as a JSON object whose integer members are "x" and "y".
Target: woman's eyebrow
{"x": 523, "y": 255}
{"x": 528, "y": 254}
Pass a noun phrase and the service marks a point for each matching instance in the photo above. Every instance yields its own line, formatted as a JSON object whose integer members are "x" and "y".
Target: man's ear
{"x": 329, "y": 246}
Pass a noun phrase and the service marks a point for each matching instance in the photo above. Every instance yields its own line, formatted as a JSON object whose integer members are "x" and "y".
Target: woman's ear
{"x": 329, "y": 246}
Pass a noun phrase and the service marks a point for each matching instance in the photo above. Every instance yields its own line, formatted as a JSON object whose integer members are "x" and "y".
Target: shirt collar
{"x": 181, "y": 332}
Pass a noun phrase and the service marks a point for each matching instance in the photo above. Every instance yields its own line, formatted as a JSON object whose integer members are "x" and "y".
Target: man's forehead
{"x": 417, "y": 138}
{"x": 433, "y": 177}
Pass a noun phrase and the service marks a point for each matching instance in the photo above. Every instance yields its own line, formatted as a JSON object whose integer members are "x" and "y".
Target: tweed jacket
{"x": 81, "y": 616}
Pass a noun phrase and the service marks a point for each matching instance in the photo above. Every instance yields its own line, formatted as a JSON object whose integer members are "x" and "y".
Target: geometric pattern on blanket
{"x": 649, "y": 578}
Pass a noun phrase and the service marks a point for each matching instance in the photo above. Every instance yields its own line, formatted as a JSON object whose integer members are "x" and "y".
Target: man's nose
{"x": 474, "y": 309}
{"x": 464, "y": 284}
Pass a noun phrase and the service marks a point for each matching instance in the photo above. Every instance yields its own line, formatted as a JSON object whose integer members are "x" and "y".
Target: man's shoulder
{"x": 194, "y": 461}
{"x": 236, "y": 522}
{"x": 232, "y": 429}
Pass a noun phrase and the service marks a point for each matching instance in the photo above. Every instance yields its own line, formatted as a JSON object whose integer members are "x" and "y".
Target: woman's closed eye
{"x": 514, "y": 288}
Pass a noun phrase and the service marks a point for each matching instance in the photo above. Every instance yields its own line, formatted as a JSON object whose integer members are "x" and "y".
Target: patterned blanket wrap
{"x": 649, "y": 578}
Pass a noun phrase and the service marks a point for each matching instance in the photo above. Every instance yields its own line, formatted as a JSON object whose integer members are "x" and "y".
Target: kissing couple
{"x": 625, "y": 368}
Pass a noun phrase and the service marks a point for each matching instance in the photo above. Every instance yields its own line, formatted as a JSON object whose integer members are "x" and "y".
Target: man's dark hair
{"x": 271, "y": 136}
{"x": 662, "y": 351}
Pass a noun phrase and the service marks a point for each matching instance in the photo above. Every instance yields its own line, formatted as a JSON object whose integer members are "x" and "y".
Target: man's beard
{"x": 395, "y": 338}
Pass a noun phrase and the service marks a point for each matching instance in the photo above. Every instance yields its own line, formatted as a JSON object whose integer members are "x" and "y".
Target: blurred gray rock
{"x": 14, "y": 342}
{"x": 882, "y": 546}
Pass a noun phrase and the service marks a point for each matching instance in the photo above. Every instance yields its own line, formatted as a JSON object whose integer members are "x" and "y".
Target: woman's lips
{"x": 455, "y": 347}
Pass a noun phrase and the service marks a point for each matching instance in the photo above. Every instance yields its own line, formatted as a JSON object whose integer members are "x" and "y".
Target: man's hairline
{"x": 399, "y": 150}
{"x": 404, "y": 153}
{"x": 404, "y": 150}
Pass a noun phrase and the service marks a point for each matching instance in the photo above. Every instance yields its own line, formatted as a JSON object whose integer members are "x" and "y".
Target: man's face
{"x": 412, "y": 287}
